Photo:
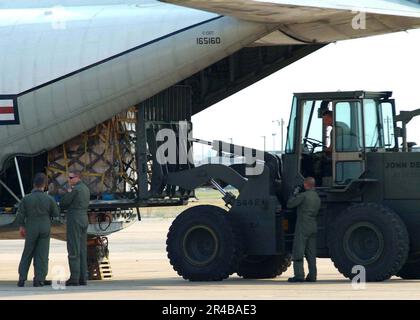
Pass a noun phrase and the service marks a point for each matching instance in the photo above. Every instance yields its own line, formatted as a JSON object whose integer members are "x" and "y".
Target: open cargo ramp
{"x": 64, "y": 70}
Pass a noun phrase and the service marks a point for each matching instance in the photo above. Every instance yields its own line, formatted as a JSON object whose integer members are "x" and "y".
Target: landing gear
{"x": 99, "y": 267}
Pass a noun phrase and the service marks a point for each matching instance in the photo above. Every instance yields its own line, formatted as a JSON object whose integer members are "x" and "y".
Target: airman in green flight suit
{"x": 76, "y": 202}
{"x": 34, "y": 216}
{"x": 308, "y": 204}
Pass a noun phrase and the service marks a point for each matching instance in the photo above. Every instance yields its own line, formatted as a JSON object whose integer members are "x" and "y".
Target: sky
{"x": 381, "y": 63}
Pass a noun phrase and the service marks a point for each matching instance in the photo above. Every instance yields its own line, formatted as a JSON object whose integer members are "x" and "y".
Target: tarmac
{"x": 141, "y": 271}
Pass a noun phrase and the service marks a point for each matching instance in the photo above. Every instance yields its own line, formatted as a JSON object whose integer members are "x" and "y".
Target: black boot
{"x": 310, "y": 279}
{"x": 72, "y": 283}
{"x": 294, "y": 279}
{"x": 82, "y": 282}
{"x": 44, "y": 282}
{"x": 38, "y": 283}
{"x": 21, "y": 283}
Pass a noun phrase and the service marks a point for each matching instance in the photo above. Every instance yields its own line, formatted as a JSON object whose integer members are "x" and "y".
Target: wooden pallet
{"x": 100, "y": 270}
{"x": 103, "y": 155}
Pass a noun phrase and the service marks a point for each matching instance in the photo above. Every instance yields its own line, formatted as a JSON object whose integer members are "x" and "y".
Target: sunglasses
{"x": 72, "y": 177}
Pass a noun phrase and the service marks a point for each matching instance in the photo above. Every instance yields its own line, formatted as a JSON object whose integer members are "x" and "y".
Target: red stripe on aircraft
{"x": 7, "y": 110}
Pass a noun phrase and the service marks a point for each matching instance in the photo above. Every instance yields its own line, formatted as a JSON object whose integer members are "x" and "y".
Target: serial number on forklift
{"x": 250, "y": 203}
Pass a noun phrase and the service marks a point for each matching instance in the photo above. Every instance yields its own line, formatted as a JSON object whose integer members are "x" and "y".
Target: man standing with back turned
{"x": 308, "y": 204}
{"x": 76, "y": 202}
{"x": 34, "y": 218}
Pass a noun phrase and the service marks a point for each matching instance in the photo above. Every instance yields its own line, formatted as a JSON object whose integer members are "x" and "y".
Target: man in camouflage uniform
{"x": 308, "y": 204}
{"x": 34, "y": 218}
{"x": 76, "y": 202}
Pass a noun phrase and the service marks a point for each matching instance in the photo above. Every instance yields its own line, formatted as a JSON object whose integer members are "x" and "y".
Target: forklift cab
{"x": 330, "y": 133}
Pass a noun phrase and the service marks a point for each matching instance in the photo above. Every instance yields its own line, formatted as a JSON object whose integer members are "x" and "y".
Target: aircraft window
{"x": 291, "y": 128}
{"x": 347, "y": 128}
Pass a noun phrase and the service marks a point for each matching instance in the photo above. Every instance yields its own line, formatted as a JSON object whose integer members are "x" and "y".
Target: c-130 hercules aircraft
{"x": 68, "y": 66}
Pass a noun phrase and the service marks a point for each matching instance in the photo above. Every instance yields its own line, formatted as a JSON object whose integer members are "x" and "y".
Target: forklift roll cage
{"x": 358, "y": 101}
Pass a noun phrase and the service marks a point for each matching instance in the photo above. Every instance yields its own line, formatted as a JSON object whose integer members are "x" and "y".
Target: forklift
{"x": 368, "y": 184}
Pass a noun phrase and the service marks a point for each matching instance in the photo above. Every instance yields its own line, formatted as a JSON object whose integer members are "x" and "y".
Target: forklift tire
{"x": 202, "y": 245}
{"x": 372, "y": 236}
{"x": 263, "y": 267}
{"x": 410, "y": 271}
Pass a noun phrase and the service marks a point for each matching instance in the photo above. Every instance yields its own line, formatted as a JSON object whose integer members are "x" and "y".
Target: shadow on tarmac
{"x": 162, "y": 283}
